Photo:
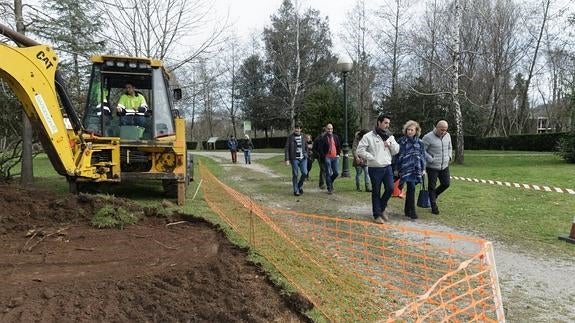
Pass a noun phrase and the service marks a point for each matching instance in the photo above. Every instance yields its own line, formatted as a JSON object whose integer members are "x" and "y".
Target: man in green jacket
{"x": 132, "y": 107}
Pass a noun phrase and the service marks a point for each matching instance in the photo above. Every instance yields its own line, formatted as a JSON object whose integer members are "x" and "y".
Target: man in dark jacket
{"x": 296, "y": 155}
{"x": 438, "y": 151}
{"x": 233, "y": 147}
{"x": 330, "y": 149}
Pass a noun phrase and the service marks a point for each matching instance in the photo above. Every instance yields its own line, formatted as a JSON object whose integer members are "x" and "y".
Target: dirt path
{"x": 534, "y": 289}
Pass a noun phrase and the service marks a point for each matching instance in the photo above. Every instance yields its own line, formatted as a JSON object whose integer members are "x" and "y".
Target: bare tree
{"x": 27, "y": 172}
{"x": 156, "y": 28}
{"x": 297, "y": 49}
{"x": 356, "y": 35}
{"x": 523, "y": 112}
{"x": 456, "y": 54}
{"x": 227, "y": 91}
{"x": 502, "y": 52}
{"x": 391, "y": 37}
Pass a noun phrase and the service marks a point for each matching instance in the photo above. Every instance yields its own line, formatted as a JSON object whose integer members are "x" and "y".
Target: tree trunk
{"x": 295, "y": 92}
{"x": 27, "y": 171}
{"x": 522, "y": 126}
{"x": 455, "y": 80}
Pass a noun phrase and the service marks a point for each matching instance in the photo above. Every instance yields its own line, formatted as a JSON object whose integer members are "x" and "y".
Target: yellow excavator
{"x": 106, "y": 145}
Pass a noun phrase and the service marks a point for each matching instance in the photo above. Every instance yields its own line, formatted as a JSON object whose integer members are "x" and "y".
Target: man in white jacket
{"x": 377, "y": 147}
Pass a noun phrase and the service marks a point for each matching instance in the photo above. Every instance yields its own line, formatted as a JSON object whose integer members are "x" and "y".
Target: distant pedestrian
{"x": 438, "y": 152}
{"x": 411, "y": 164}
{"x": 359, "y": 163}
{"x": 311, "y": 158}
{"x": 233, "y": 147}
{"x": 295, "y": 154}
{"x": 330, "y": 150}
{"x": 320, "y": 160}
{"x": 377, "y": 147}
{"x": 247, "y": 146}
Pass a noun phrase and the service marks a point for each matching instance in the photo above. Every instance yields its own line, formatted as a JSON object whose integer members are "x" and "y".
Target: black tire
{"x": 170, "y": 187}
{"x": 189, "y": 168}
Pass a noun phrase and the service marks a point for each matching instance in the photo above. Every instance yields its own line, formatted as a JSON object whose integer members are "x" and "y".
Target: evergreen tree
{"x": 71, "y": 26}
{"x": 298, "y": 55}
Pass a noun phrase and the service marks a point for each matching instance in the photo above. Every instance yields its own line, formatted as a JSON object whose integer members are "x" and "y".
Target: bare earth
{"x": 55, "y": 267}
{"x": 534, "y": 288}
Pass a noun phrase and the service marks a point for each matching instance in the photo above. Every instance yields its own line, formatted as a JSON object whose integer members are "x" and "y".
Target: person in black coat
{"x": 296, "y": 155}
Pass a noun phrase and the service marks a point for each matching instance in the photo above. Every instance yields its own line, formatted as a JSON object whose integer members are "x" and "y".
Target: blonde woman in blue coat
{"x": 411, "y": 164}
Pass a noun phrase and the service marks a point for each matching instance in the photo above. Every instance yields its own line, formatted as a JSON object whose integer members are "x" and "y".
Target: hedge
{"x": 528, "y": 142}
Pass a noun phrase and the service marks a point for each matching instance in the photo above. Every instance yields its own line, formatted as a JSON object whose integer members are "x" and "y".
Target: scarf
{"x": 383, "y": 134}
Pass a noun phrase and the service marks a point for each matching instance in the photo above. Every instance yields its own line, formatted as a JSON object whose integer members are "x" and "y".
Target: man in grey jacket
{"x": 438, "y": 151}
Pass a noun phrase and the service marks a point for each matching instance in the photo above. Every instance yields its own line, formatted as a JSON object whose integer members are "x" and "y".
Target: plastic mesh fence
{"x": 355, "y": 270}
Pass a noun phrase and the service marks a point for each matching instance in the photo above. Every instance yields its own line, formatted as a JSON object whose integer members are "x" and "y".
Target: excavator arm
{"x": 31, "y": 73}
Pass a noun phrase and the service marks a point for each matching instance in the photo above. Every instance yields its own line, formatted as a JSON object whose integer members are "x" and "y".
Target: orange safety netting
{"x": 354, "y": 270}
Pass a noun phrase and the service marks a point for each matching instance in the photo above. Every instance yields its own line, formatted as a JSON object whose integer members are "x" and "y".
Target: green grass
{"x": 520, "y": 167}
{"x": 113, "y": 217}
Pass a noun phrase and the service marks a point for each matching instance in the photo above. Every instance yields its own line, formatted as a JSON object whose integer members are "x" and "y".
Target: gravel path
{"x": 534, "y": 289}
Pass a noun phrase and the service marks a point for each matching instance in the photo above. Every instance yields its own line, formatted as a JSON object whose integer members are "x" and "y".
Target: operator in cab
{"x": 132, "y": 107}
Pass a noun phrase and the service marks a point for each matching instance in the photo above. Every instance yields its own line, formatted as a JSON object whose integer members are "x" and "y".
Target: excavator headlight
{"x": 144, "y": 65}
{"x": 120, "y": 64}
{"x": 132, "y": 64}
{"x": 109, "y": 63}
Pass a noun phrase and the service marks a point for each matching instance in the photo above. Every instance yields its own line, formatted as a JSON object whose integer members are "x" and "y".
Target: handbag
{"x": 397, "y": 192}
{"x": 423, "y": 197}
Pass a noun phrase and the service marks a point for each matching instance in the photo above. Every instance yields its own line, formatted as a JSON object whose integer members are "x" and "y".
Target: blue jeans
{"x": 331, "y": 166}
{"x": 248, "y": 156}
{"x": 301, "y": 165}
{"x": 358, "y": 171}
{"x": 378, "y": 176}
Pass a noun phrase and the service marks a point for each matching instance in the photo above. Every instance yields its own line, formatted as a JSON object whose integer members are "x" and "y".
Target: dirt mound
{"x": 55, "y": 267}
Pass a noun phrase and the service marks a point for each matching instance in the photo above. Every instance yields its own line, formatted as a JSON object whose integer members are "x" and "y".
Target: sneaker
{"x": 379, "y": 220}
{"x": 300, "y": 190}
{"x": 322, "y": 187}
{"x": 296, "y": 193}
{"x": 434, "y": 209}
{"x": 385, "y": 216}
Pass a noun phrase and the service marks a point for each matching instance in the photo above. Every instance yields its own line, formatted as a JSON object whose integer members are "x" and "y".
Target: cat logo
{"x": 42, "y": 56}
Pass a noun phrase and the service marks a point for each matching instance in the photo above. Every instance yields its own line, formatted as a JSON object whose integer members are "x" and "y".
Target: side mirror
{"x": 177, "y": 93}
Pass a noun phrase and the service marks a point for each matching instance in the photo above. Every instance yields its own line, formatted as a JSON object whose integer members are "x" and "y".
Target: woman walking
{"x": 359, "y": 164}
{"x": 411, "y": 163}
{"x": 247, "y": 147}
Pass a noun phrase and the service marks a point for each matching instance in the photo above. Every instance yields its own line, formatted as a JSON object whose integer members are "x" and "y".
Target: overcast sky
{"x": 251, "y": 16}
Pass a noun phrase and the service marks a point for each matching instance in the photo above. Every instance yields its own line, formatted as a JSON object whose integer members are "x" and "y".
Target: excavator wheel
{"x": 170, "y": 188}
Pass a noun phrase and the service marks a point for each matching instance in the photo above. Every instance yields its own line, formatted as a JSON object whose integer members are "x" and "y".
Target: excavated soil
{"x": 55, "y": 267}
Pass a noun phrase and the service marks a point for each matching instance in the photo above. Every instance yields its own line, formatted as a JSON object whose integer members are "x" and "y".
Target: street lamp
{"x": 344, "y": 65}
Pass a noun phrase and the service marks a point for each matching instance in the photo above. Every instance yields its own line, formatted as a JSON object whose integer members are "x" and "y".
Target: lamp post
{"x": 344, "y": 65}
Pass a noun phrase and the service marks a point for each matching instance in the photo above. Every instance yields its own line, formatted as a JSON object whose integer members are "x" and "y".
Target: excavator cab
{"x": 110, "y": 74}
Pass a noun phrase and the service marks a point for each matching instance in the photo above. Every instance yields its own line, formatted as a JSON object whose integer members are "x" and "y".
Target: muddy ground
{"x": 55, "y": 267}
